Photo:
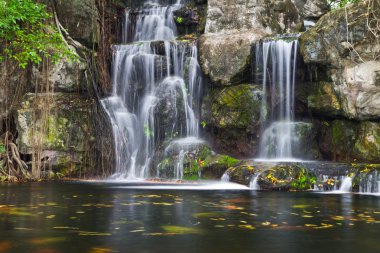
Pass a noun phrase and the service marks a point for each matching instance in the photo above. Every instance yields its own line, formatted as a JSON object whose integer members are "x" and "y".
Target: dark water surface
{"x": 96, "y": 218}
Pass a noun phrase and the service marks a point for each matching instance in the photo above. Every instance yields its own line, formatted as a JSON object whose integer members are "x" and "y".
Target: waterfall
{"x": 156, "y": 90}
{"x": 254, "y": 185}
{"x": 225, "y": 178}
{"x": 346, "y": 185}
{"x": 277, "y": 59}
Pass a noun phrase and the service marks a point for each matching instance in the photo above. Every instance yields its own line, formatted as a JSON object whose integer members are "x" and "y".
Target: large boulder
{"x": 236, "y": 107}
{"x": 232, "y": 117}
{"x": 62, "y": 127}
{"x": 81, "y": 20}
{"x": 225, "y": 58}
{"x": 341, "y": 49}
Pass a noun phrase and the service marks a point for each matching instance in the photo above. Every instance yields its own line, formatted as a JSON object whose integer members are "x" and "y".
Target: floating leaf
{"x": 181, "y": 230}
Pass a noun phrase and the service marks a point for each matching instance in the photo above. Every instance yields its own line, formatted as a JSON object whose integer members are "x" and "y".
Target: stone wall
{"x": 342, "y": 56}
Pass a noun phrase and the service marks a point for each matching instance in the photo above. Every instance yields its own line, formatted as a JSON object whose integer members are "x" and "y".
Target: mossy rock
{"x": 324, "y": 100}
{"x": 367, "y": 146}
{"x": 236, "y": 107}
{"x": 216, "y": 165}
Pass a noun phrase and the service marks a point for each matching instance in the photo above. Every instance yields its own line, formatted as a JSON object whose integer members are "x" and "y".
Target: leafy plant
{"x": 179, "y": 20}
{"x": 147, "y": 132}
{"x": 203, "y": 124}
{"x": 27, "y": 36}
{"x": 340, "y": 3}
{"x": 2, "y": 148}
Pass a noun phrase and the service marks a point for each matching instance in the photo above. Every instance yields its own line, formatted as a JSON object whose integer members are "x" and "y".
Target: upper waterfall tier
{"x": 153, "y": 22}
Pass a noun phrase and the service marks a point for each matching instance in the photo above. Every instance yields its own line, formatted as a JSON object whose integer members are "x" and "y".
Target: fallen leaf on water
{"x": 101, "y": 250}
{"x": 300, "y": 206}
{"x": 231, "y": 207}
{"x": 247, "y": 227}
{"x": 181, "y": 230}
{"x": 47, "y": 240}
{"x": 162, "y": 204}
{"x": 88, "y": 233}
{"x": 5, "y": 246}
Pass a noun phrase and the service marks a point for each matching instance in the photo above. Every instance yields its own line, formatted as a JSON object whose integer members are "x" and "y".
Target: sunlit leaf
{"x": 181, "y": 230}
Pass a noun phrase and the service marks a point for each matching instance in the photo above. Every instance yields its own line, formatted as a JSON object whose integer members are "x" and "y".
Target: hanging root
{"x": 14, "y": 165}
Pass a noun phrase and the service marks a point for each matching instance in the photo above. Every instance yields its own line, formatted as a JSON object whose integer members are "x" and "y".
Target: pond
{"x": 106, "y": 217}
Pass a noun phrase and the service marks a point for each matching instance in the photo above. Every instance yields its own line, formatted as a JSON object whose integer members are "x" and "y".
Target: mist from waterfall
{"x": 156, "y": 90}
{"x": 277, "y": 59}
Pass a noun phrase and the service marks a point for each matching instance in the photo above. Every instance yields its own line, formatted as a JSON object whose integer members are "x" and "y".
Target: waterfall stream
{"x": 277, "y": 60}
{"x": 156, "y": 90}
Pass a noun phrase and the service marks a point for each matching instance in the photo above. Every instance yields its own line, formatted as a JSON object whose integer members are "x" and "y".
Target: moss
{"x": 324, "y": 99}
{"x": 237, "y": 106}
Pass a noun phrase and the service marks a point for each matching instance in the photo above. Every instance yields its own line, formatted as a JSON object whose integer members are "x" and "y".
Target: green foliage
{"x": 341, "y": 3}
{"x": 204, "y": 124}
{"x": 304, "y": 180}
{"x": 147, "y": 132}
{"x": 26, "y": 35}
{"x": 2, "y": 148}
{"x": 179, "y": 20}
{"x": 228, "y": 161}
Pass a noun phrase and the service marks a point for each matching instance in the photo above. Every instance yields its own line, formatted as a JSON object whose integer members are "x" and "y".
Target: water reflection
{"x": 102, "y": 218}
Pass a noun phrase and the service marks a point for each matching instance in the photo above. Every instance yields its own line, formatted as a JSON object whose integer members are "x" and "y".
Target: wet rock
{"x": 231, "y": 116}
{"x": 236, "y": 107}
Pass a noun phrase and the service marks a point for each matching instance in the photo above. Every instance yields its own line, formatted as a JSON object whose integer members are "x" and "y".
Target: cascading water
{"x": 254, "y": 185}
{"x": 277, "y": 59}
{"x": 156, "y": 90}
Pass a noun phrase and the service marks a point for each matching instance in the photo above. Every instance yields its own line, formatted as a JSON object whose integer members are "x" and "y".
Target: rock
{"x": 236, "y": 107}
{"x": 311, "y": 9}
{"x": 13, "y": 86}
{"x": 225, "y": 58}
{"x": 349, "y": 67}
{"x": 232, "y": 118}
{"x": 367, "y": 145}
{"x": 80, "y": 19}
{"x": 350, "y": 141}
{"x": 324, "y": 100}
{"x": 191, "y": 18}
{"x": 69, "y": 144}
{"x": 336, "y": 139}
{"x": 63, "y": 76}
{"x": 183, "y": 159}
{"x": 273, "y": 176}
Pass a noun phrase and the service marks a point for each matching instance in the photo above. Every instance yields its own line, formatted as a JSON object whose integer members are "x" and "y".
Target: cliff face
{"x": 232, "y": 29}
{"x": 342, "y": 55}
{"x": 338, "y": 91}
